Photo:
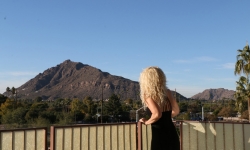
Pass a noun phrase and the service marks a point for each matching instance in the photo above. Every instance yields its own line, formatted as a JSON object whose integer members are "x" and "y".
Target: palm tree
{"x": 242, "y": 92}
{"x": 242, "y": 66}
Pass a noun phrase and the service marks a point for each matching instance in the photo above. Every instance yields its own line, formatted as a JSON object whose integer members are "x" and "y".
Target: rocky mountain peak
{"x": 74, "y": 79}
{"x": 214, "y": 94}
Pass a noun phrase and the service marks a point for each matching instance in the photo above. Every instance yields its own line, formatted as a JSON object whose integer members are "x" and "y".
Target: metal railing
{"x": 214, "y": 135}
{"x": 127, "y": 136}
{"x": 23, "y": 139}
{"x": 94, "y": 137}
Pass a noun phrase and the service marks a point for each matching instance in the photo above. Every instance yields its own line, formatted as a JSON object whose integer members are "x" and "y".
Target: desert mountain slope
{"x": 214, "y": 94}
{"x": 74, "y": 79}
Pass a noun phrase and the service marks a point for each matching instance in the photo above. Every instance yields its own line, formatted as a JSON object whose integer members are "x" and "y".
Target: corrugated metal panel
{"x": 40, "y": 139}
{"x": 247, "y": 136}
{"x": 193, "y": 127}
{"x": 92, "y": 137}
{"x": 144, "y": 137}
{"x": 100, "y": 138}
{"x": 67, "y": 138}
{"x": 239, "y": 136}
{"x": 215, "y": 136}
{"x": 6, "y": 140}
{"x": 229, "y": 136}
{"x": 114, "y": 137}
{"x": 59, "y": 139}
{"x": 76, "y": 138}
{"x": 85, "y": 138}
{"x": 210, "y": 136}
{"x": 30, "y": 140}
{"x": 18, "y": 140}
{"x": 185, "y": 136}
{"x": 219, "y": 142}
{"x": 133, "y": 136}
{"x": 127, "y": 137}
{"x": 107, "y": 139}
{"x": 149, "y": 134}
{"x": 121, "y": 139}
{"x": 201, "y": 132}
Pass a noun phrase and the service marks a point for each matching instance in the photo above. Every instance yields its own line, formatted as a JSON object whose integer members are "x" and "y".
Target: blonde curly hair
{"x": 153, "y": 84}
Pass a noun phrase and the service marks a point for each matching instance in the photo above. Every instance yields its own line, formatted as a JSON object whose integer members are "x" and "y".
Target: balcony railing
{"x": 127, "y": 136}
{"x": 215, "y": 135}
{"x": 23, "y": 139}
{"x": 94, "y": 137}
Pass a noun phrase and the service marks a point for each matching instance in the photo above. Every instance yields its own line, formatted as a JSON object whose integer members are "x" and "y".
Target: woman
{"x": 162, "y": 106}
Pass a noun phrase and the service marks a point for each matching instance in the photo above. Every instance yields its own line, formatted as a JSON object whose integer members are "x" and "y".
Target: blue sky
{"x": 195, "y": 42}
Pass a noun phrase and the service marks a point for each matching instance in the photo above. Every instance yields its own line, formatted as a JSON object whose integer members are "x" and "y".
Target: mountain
{"x": 214, "y": 94}
{"x": 76, "y": 80}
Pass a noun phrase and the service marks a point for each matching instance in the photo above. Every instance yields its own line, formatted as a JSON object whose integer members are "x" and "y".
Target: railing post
{"x": 181, "y": 134}
{"x": 139, "y": 136}
{"x": 52, "y": 138}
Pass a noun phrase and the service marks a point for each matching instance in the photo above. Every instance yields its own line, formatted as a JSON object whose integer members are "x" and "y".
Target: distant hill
{"x": 214, "y": 94}
{"x": 76, "y": 80}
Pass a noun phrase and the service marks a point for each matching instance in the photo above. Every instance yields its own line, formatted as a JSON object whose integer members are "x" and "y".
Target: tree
{"x": 244, "y": 115}
{"x": 242, "y": 66}
{"x": 113, "y": 106}
{"x": 38, "y": 99}
{"x": 35, "y": 111}
{"x": 226, "y": 112}
{"x": 77, "y": 109}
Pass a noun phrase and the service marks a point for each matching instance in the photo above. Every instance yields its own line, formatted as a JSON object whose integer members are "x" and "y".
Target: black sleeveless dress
{"x": 164, "y": 134}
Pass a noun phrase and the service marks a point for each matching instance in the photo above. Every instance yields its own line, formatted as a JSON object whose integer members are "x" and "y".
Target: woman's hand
{"x": 143, "y": 120}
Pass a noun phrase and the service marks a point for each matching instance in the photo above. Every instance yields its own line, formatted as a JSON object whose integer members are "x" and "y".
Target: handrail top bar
{"x": 99, "y": 124}
{"x": 23, "y": 129}
{"x": 227, "y": 122}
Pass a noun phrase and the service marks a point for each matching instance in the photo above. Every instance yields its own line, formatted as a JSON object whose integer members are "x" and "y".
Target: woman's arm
{"x": 155, "y": 110}
{"x": 175, "y": 107}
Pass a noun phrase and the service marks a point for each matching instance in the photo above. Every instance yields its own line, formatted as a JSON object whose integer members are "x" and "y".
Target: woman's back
{"x": 164, "y": 135}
